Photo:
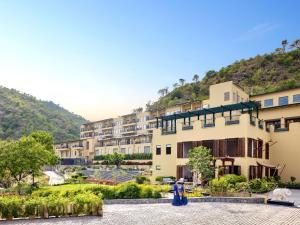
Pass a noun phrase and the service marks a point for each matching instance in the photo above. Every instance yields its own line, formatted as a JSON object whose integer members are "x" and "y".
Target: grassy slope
{"x": 21, "y": 113}
{"x": 261, "y": 74}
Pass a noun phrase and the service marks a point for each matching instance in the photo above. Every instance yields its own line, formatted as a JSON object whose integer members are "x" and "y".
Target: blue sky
{"x": 104, "y": 58}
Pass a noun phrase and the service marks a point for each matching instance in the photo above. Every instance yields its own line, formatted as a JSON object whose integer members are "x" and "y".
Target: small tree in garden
{"x": 200, "y": 162}
{"x": 115, "y": 159}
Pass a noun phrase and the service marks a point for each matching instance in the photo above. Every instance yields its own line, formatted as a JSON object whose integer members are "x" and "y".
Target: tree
{"x": 166, "y": 90}
{"x": 161, "y": 92}
{"x": 115, "y": 159}
{"x": 295, "y": 44}
{"x": 181, "y": 81}
{"x": 284, "y": 44}
{"x": 175, "y": 85}
{"x": 196, "y": 78}
{"x": 200, "y": 162}
{"x": 138, "y": 110}
{"x": 26, "y": 156}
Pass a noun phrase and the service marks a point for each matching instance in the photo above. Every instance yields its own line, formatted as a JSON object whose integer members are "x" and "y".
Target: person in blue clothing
{"x": 183, "y": 198}
{"x": 176, "y": 199}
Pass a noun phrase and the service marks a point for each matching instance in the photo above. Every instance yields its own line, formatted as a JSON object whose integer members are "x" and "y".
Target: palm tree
{"x": 295, "y": 44}
{"x": 181, "y": 81}
{"x": 196, "y": 78}
{"x": 284, "y": 44}
{"x": 161, "y": 92}
{"x": 166, "y": 90}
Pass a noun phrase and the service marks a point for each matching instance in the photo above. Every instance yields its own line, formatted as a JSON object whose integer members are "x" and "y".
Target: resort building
{"x": 253, "y": 136}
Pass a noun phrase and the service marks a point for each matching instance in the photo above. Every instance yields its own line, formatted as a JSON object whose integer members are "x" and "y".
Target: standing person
{"x": 176, "y": 199}
{"x": 183, "y": 198}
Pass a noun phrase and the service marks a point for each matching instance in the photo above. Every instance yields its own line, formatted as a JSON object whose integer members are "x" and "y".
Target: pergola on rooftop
{"x": 249, "y": 107}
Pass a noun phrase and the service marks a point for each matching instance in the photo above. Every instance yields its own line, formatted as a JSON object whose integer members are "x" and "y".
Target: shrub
{"x": 11, "y": 207}
{"x": 234, "y": 179}
{"x": 142, "y": 179}
{"x": 262, "y": 185}
{"x": 128, "y": 190}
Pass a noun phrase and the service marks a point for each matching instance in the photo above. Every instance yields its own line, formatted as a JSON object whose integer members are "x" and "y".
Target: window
{"x": 226, "y": 96}
{"x": 123, "y": 150}
{"x": 267, "y": 149}
{"x": 268, "y": 102}
{"x": 158, "y": 150}
{"x": 97, "y": 152}
{"x": 157, "y": 167}
{"x": 296, "y": 98}
{"x": 87, "y": 145}
{"x": 283, "y": 100}
{"x": 168, "y": 149}
{"x": 147, "y": 150}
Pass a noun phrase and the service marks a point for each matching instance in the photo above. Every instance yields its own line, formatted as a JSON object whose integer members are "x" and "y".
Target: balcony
{"x": 232, "y": 120}
{"x": 187, "y": 126}
{"x": 168, "y": 130}
{"x": 128, "y": 130}
{"x": 208, "y": 123}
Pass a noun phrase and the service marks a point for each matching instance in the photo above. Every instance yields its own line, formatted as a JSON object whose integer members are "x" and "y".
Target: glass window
{"x": 168, "y": 149}
{"x": 296, "y": 98}
{"x": 158, "y": 150}
{"x": 147, "y": 150}
{"x": 157, "y": 167}
{"x": 283, "y": 100}
{"x": 268, "y": 102}
{"x": 226, "y": 96}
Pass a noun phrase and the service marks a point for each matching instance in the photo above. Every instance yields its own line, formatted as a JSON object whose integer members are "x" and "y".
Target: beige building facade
{"x": 254, "y": 136}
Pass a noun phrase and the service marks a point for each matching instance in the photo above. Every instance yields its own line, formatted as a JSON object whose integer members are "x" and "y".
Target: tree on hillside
{"x": 200, "y": 162}
{"x": 161, "y": 92}
{"x": 175, "y": 85}
{"x": 166, "y": 90}
{"x": 181, "y": 81}
{"x": 295, "y": 44}
{"x": 196, "y": 78}
{"x": 284, "y": 44}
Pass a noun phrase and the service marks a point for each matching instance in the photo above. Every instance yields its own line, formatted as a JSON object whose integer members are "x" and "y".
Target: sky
{"x": 101, "y": 59}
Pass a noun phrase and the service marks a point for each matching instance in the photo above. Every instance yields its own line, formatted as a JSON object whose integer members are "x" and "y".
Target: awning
{"x": 268, "y": 165}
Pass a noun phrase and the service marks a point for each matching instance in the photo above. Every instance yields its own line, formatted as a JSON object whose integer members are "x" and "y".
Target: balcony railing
{"x": 169, "y": 130}
{"x": 187, "y": 126}
{"x": 208, "y": 123}
{"x": 232, "y": 120}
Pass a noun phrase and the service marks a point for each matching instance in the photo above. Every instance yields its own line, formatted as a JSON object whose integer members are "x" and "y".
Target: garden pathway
{"x": 211, "y": 213}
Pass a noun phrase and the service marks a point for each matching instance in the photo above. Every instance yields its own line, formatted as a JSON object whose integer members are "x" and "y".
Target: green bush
{"x": 129, "y": 190}
{"x": 142, "y": 179}
{"x": 11, "y": 207}
{"x": 262, "y": 185}
{"x": 234, "y": 179}
{"x": 134, "y": 156}
{"x": 229, "y": 182}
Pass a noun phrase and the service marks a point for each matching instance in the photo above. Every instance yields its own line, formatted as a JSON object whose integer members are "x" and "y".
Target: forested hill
{"x": 262, "y": 74}
{"x": 22, "y": 113}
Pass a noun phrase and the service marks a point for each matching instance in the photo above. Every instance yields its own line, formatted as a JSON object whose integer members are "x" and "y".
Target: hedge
{"x": 122, "y": 191}
{"x": 50, "y": 205}
{"x": 134, "y": 156}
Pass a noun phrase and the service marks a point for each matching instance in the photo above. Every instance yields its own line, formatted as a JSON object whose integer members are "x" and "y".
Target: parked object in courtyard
{"x": 280, "y": 196}
{"x": 54, "y": 178}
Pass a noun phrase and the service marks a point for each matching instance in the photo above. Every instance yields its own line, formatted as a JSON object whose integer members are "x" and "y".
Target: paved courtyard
{"x": 194, "y": 213}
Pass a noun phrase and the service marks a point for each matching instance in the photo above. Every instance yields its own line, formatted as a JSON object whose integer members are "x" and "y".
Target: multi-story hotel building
{"x": 255, "y": 136}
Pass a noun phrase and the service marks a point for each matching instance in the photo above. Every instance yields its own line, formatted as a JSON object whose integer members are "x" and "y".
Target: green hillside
{"x": 262, "y": 74}
{"x": 22, "y": 113}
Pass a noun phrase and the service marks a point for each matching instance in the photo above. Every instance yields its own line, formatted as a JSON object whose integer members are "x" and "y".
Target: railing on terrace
{"x": 168, "y": 130}
{"x": 231, "y": 120}
{"x": 208, "y": 123}
{"x": 187, "y": 126}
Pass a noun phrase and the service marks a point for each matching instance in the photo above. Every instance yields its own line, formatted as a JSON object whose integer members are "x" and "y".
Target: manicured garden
{"x": 72, "y": 199}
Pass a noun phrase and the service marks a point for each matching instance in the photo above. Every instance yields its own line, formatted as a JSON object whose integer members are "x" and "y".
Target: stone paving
{"x": 194, "y": 213}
